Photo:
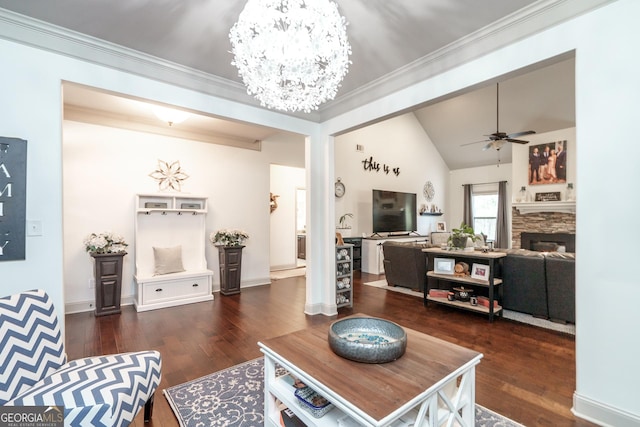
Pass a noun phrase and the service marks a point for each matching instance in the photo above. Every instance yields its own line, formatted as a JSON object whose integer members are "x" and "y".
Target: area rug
{"x": 285, "y": 274}
{"x": 400, "y": 289}
{"x": 512, "y": 315}
{"x": 234, "y": 397}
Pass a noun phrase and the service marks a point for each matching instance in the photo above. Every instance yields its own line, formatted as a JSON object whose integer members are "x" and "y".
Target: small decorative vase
{"x": 522, "y": 195}
{"x": 571, "y": 194}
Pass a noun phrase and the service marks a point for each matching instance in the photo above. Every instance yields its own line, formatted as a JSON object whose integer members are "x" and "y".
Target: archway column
{"x": 320, "y": 169}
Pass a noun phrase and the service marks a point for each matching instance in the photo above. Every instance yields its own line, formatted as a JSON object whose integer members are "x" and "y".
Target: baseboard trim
{"x": 90, "y": 305}
{"x": 320, "y": 308}
{"x": 602, "y": 414}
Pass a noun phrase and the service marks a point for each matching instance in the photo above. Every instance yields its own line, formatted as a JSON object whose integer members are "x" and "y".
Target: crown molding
{"x": 111, "y": 119}
{"x": 525, "y": 22}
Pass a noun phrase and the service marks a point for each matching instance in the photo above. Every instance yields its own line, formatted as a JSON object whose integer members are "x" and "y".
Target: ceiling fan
{"x": 498, "y": 139}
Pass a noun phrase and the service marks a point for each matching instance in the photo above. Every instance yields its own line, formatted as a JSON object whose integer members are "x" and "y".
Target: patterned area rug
{"x": 234, "y": 397}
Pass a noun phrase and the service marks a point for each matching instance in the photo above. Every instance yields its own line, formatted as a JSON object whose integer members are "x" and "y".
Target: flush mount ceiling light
{"x": 291, "y": 54}
{"x": 170, "y": 115}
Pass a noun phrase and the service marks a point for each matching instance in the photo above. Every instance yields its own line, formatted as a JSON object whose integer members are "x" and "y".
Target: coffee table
{"x": 434, "y": 381}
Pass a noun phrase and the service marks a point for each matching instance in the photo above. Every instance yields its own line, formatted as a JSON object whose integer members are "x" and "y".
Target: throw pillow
{"x": 168, "y": 260}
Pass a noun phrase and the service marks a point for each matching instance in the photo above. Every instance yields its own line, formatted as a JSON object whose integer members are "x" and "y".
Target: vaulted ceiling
{"x": 394, "y": 44}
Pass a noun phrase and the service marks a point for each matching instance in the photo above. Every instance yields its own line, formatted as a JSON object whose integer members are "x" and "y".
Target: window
{"x": 485, "y": 213}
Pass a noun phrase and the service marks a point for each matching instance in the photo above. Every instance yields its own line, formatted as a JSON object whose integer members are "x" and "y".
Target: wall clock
{"x": 339, "y": 189}
{"x": 428, "y": 191}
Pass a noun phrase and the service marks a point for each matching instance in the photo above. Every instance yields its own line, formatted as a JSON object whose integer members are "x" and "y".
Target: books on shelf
{"x": 484, "y": 301}
{"x": 438, "y": 293}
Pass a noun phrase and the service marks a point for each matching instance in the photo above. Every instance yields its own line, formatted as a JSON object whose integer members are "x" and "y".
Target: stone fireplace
{"x": 543, "y": 223}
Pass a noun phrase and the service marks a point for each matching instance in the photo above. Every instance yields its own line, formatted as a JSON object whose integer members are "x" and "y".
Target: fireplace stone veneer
{"x": 540, "y": 222}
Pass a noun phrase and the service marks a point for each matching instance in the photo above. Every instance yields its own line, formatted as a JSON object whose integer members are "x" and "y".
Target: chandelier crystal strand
{"x": 291, "y": 54}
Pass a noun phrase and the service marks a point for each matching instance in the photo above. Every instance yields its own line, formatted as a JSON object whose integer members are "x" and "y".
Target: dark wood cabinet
{"x": 302, "y": 246}
{"x": 108, "y": 276}
{"x": 230, "y": 258}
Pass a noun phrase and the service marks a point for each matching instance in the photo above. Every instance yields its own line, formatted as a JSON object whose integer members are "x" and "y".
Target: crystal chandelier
{"x": 291, "y": 54}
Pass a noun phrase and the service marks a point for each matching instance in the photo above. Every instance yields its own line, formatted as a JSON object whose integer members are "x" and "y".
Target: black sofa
{"x": 540, "y": 283}
{"x": 405, "y": 264}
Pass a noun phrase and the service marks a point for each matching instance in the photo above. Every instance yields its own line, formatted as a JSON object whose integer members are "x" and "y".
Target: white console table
{"x": 432, "y": 384}
{"x": 372, "y": 256}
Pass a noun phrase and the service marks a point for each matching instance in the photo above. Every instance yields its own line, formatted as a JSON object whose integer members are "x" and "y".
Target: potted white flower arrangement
{"x": 226, "y": 237}
{"x": 105, "y": 243}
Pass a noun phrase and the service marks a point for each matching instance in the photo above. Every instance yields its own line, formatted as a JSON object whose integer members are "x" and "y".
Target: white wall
{"x": 477, "y": 175}
{"x": 607, "y": 85}
{"x": 105, "y": 167}
{"x": 514, "y": 173}
{"x": 399, "y": 142}
{"x": 521, "y": 162}
{"x": 605, "y": 42}
{"x": 284, "y": 182}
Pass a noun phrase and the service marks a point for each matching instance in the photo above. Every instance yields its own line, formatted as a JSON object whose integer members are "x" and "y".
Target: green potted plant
{"x": 343, "y": 227}
{"x": 460, "y": 235}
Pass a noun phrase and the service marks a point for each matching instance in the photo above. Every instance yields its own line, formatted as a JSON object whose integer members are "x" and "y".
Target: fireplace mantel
{"x": 531, "y": 207}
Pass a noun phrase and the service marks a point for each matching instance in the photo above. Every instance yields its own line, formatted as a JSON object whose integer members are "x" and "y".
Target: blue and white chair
{"x": 96, "y": 391}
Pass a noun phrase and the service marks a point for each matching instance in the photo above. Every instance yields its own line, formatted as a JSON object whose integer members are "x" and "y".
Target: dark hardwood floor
{"x": 527, "y": 373}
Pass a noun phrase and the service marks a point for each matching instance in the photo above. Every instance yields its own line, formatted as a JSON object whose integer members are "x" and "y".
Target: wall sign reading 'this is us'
{"x": 13, "y": 197}
{"x": 373, "y": 166}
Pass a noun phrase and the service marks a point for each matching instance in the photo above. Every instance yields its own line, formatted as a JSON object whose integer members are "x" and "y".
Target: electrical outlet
{"x": 92, "y": 283}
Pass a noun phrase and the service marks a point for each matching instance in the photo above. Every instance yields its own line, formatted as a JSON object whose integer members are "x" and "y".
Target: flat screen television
{"x": 394, "y": 211}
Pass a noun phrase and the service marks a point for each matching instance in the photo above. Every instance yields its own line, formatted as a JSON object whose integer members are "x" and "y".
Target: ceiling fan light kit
{"x": 498, "y": 139}
{"x": 291, "y": 54}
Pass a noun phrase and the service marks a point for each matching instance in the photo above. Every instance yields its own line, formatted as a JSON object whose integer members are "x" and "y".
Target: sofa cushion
{"x": 524, "y": 282}
{"x": 405, "y": 264}
{"x": 561, "y": 282}
{"x": 439, "y": 237}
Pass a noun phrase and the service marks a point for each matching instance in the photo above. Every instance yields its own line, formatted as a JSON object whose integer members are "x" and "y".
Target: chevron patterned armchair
{"x": 96, "y": 391}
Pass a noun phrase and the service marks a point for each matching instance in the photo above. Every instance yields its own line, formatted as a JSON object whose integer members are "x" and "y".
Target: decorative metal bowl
{"x": 367, "y": 339}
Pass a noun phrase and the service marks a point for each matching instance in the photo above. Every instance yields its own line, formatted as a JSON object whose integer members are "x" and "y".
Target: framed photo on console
{"x": 480, "y": 272}
{"x": 441, "y": 226}
{"x": 443, "y": 265}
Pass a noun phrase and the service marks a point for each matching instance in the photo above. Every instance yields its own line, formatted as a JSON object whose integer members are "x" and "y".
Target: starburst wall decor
{"x": 169, "y": 176}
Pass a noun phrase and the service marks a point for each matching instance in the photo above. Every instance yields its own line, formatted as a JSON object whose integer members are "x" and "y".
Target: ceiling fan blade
{"x": 488, "y": 146}
{"x": 517, "y": 134}
{"x": 476, "y": 142}
{"x": 517, "y": 141}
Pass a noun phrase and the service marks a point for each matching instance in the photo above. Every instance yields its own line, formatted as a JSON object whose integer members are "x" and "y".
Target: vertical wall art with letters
{"x": 13, "y": 196}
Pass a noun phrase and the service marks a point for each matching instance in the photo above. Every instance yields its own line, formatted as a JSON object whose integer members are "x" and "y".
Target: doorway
{"x": 301, "y": 227}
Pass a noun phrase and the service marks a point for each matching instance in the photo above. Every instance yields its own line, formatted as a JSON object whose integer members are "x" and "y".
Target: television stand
{"x": 398, "y": 234}
{"x": 373, "y": 254}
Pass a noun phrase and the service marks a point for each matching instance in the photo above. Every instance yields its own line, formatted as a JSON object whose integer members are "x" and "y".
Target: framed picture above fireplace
{"x": 548, "y": 163}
